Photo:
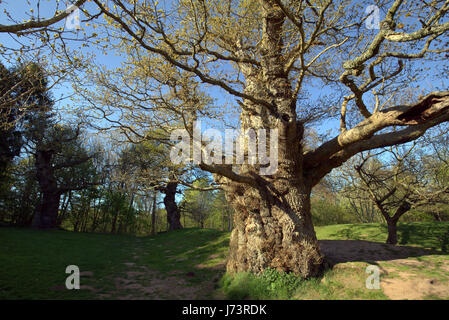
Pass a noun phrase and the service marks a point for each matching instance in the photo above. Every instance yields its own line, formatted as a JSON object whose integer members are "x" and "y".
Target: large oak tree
{"x": 265, "y": 54}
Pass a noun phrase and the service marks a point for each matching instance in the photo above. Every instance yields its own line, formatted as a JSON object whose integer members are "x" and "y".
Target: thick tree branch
{"x": 432, "y": 110}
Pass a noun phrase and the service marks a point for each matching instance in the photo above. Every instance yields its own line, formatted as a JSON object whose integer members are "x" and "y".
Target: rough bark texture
{"x": 272, "y": 221}
{"x": 273, "y": 233}
{"x": 173, "y": 215}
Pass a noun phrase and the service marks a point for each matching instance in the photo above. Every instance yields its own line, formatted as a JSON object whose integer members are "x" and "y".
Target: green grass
{"x": 344, "y": 283}
{"x": 428, "y": 235}
{"x": 33, "y": 263}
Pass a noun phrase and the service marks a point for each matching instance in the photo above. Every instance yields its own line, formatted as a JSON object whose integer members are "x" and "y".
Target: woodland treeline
{"x": 108, "y": 186}
{"x": 96, "y": 185}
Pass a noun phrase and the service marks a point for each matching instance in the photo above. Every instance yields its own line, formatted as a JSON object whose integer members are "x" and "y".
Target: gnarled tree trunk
{"x": 272, "y": 221}
{"x": 271, "y": 232}
{"x": 46, "y": 213}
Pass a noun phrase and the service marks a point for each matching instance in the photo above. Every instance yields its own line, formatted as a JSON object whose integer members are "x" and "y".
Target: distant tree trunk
{"x": 114, "y": 222}
{"x": 86, "y": 217}
{"x": 173, "y": 215}
{"x": 392, "y": 231}
{"x": 436, "y": 216}
{"x": 96, "y": 215}
{"x": 46, "y": 214}
{"x": 184, "y": 218}
{"x": 223, "y": 220}
{"x": 130, "y": 209}
{"x": 153, "y": 214}
{"x": 77, "y": 223}
{"x": 393, "y": 221}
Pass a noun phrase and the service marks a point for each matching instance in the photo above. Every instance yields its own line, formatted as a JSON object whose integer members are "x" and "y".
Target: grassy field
{"x": 189, "y": 264}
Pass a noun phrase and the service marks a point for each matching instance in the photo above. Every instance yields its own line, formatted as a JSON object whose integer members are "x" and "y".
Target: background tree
{"x": 55, "y": 148}
{"x": 355, "y": 197}
{"x": 398, "y": 181}
{"x": 197, "y": 204}
{"x": 22, "y": 92}
{"x": 327, "y": 205}
{"x": 58, "y": 149}
{"x": 19, "y": 194}
{"x": 150, "y": 168}
{"x": 222, "y": 211}
{"x": 26, "y": 118}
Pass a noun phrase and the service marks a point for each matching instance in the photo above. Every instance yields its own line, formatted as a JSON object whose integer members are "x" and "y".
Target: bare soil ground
{"x": 139, "y": 283}
{"x": 406, "y": 272}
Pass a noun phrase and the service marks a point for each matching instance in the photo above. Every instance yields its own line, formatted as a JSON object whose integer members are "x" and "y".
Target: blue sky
{"x": 20, "y": 9}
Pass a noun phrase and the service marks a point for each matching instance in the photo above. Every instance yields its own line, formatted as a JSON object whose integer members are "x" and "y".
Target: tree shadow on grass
{"x": 414, "y": 240}
{"x": 340, "y": 251}
{"x": 426, "y": 235}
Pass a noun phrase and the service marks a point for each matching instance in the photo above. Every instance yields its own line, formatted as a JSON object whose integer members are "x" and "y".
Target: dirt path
{"x": 412, "y": 285}
{"x": 406, "y": 272}
{"x": 139, "y": 282}
{"x": 143, "y": 283}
